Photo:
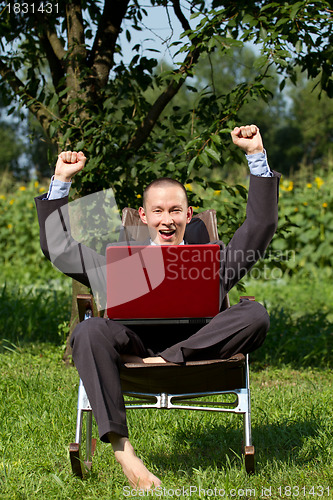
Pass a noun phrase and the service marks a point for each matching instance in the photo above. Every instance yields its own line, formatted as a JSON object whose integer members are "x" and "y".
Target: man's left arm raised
{"x": 253, "y": 237}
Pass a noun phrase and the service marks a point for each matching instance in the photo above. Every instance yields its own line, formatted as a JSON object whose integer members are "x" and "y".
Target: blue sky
{"x": 155, "y": 33}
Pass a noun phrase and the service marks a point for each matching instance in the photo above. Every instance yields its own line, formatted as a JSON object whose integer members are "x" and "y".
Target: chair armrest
{"x": 248, "y": 297}
{"x": 85, "y": 305}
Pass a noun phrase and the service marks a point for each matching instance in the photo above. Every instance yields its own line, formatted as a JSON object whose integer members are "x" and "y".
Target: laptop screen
{"x": 163, "y": 282}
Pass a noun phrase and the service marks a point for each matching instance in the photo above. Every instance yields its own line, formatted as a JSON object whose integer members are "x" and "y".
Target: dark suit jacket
{"x": 88, "y": 267}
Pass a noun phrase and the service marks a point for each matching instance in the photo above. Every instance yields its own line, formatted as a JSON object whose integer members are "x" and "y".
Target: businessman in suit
{"x": 100, "y": 345}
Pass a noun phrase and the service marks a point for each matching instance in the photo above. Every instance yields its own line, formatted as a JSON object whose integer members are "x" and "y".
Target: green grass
{"x": 33, "y": 314}
{"x": 301, "y": 314}
{"x": 291, "y": 419}
{"x": 292, "y": 414}
{"x": 299, "y": 294}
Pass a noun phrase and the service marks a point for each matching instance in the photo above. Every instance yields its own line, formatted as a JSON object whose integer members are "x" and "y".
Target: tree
{"x": 58, "y": 60}
{"x": 40, "y": 149}
{"x": 315, "y": 118}
{"x": 219, "y": 75}
{"x": 23, "y": 146}
{"x": 61, "y": 70}
{"x": 11, "y": 148}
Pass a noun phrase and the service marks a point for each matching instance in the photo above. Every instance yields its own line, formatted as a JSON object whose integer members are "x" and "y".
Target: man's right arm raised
{"x": 69, "y": 256}
{"x": 69, "y": 163}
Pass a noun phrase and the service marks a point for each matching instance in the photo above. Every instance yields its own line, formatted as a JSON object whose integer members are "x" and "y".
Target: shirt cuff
{"x": 58, "y": 189}
{"x": 258, "y": 165}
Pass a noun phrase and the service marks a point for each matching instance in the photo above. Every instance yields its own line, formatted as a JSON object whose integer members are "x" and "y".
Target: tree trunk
{"x": 76, "y": 289}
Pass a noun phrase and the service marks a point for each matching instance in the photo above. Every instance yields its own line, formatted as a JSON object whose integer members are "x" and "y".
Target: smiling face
{"x": 166, "y": 213}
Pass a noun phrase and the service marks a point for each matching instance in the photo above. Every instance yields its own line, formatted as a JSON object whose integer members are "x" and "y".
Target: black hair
{"x": 164, "y": 181}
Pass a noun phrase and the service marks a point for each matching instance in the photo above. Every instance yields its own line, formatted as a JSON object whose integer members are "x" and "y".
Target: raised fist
{"x": 248, "y": 138}
{"x": 69, "y": 163}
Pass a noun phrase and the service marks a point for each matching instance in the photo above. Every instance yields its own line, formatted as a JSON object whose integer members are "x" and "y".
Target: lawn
{"x": 196, "y": 454}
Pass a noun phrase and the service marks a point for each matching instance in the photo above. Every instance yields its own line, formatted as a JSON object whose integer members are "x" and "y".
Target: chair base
{"x": 249, "y": 459}
{"x": 229, "y": 376}
{"x": 80, "y": 467}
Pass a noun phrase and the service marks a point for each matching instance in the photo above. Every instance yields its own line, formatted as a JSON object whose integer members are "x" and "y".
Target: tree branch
{"x": 56, "y": 66}
{"x": 50, "y": 33}
{"x": 161, "y": 102}
{"x": 182, "y": 19}
{"x": 37, "y": 108}
{"x": 56, "y": 44}
{"x": 75, "y": 30}
{"x": 102, "y": 53}
{"x": 77, "y": 52}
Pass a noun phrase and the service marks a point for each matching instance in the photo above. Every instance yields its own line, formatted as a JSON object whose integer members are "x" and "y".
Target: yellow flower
{"x": 309, "y": 185}
{"x": 305, "y": 203}
{"x": 9, "y": 226}
{"x": 287, "y": 185}
{"x": 188, "y": 187}
{"x": 22, "y": 188}
{"x": 36, "y": 184}
{"x": 195, "y": 208}
{"x": 319, "y": 181}
{"x": 2, "y": 197}
{"x": 41, "y": 190}
{"x": 11, "y": 202}
{"x": 216, "y": 193}
{"x": 325, "y": 205}
{"x": 139, "y": 196}
{"x": 296, "y": 209}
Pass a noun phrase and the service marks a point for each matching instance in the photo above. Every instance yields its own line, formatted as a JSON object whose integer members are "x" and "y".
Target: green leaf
{"x": 203, "y": 157}
{"x": 191, "y": 165}
{"x": 64, "y": 92}
{"x": 213, "y": 154}
{"x": 54, "y": 100}
{"x": 299, "y": 46}
{"x": 282, "y": 85}
{"x": 216, "y": 139}
{"x": 260, "y": 62}
{"x": 295, "y": 9}
{"x": 80, "y": 146}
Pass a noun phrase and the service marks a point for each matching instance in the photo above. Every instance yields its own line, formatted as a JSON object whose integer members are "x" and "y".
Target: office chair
{"x": 171, "y": 386}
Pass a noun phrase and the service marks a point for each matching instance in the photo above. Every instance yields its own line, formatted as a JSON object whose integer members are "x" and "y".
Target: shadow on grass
{"x": 300, "y": 342}
{"x": 222, "y": 447}
{"x": 33, "y": 315}
{"x": 28, "y": 315}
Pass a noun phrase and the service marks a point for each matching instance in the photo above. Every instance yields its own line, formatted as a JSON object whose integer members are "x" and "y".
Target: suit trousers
{"x": 98, "y": 343}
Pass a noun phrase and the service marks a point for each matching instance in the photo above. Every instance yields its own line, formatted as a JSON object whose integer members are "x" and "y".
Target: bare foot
{"x": 134, "y": 469}
{"x": 154, "y": 359}
{"x": 130, "y": 358}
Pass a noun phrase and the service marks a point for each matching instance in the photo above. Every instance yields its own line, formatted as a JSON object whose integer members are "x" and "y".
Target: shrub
{"x": 306, "y": 218}
{"x": 21, "y": 259}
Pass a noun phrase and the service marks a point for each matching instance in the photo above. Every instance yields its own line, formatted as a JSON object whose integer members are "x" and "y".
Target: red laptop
{"x": 164, "y": 283}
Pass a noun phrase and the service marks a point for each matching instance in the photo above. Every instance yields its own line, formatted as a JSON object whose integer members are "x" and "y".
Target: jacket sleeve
{"x": 69, "y": 256}
{"x": 252, "y": 238}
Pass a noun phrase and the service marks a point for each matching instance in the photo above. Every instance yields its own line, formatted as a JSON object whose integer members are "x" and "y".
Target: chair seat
{"x": 193, "y": 376}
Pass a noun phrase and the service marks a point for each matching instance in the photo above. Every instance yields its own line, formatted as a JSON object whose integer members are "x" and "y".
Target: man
{"x": 100, "y": 345}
